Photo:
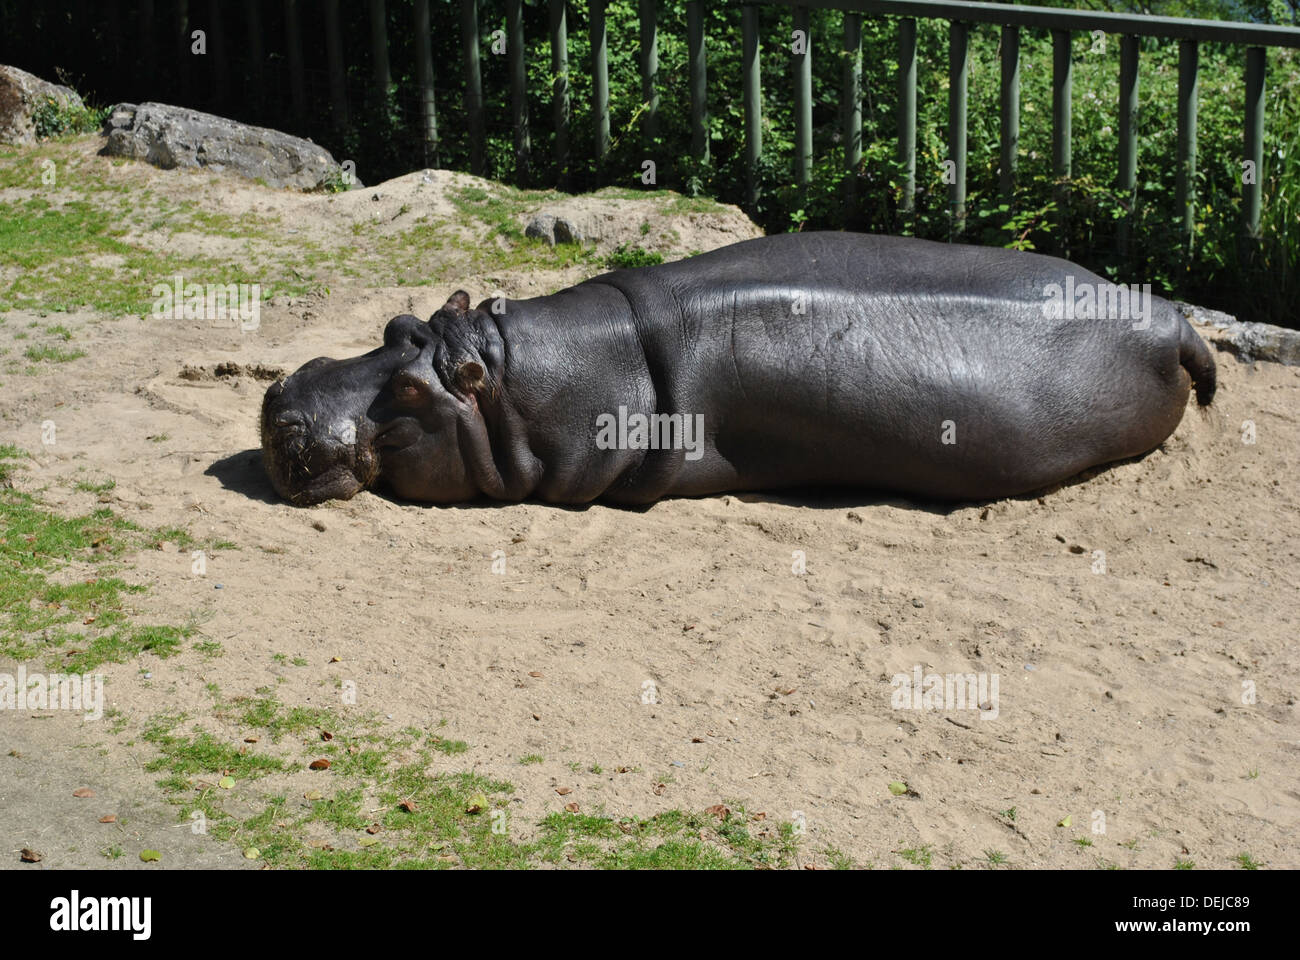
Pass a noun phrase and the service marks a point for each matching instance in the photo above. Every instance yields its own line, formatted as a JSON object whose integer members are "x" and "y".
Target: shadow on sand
{"x": 243, "y": 473}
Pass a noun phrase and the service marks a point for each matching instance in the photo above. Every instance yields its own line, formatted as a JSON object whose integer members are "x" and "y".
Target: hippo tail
{"x": 1195, "y": 357}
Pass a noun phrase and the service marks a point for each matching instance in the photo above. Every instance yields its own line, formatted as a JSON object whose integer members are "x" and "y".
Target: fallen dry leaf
{"x": 660, "y": 788}
{"x": 83, "y": 792}
{"x": 373, "y": 828}
{"x": 111, "y": 818}
{"x": 326, "y": 735}
{"x": 252, "y": 739}
{"x": 564, "y": 791}
{"x": 321, "y": 764}
{"x": 30, "y": 856}
{"x": 571, "y": 807}
{"x": 720, "y": 811}
{"x": 408, "y": 805}
{"x": 535, "y": 673}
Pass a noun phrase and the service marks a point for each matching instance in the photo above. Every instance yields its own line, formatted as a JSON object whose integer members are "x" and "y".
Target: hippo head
{"x": 335, "y": 427}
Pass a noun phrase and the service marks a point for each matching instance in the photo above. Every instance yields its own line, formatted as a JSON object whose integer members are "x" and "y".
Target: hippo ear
{"x": 457, "y": 303}
{"x": 470, "y": 376}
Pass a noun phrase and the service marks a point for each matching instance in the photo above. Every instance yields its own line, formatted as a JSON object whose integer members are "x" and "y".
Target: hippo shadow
{"x": 243, "y": 473}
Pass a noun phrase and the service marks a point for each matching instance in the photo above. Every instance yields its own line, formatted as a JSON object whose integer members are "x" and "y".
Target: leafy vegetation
{"x": 55, "y": 118}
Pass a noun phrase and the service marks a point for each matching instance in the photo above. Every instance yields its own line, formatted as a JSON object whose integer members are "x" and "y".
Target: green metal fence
{"x": 1063, "y": 24}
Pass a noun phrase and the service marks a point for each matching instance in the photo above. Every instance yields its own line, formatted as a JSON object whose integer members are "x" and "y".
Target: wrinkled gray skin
{"x": 897, "y": 337}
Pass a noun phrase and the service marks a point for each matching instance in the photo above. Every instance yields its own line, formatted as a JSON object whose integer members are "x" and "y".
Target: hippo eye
{"x": 408, "y": 391}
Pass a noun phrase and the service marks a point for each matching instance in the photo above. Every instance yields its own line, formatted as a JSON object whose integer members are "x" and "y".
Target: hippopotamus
{"x": 813, "y": 360}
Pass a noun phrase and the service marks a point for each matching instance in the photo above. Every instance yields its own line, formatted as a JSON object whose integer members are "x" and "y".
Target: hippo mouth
{"x": 308, "y": 465}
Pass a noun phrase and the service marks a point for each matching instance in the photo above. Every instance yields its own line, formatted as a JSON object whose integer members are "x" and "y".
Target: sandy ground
{"x": 1120, "y": 698}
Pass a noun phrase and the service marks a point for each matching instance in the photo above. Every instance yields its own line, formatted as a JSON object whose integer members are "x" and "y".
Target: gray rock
{"x": 20, "y": 94}
{"x": 567, "y": 232}
{"x": 553, "y": 229}
{"x": 170, "y": 137}
{"x": 541, "y": 227}
{"x": 1247, "y": 341}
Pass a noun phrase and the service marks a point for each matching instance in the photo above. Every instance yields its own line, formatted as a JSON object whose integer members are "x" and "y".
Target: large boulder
{"x": 21, "y": 94}
{"x": 171, "y": 137}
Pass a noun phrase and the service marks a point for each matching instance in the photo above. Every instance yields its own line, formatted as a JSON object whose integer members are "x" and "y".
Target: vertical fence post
{"x": 600, "y": 80}
{"x": 699, "y": 81}
{"x": 1128, "y": 144}
{"x": 907, "y": 111}
{"x": 518, "y": 89}
{"x": 424, "y": 80}
{"x": 851, "y": 98}
{"x": 1251, "y": 205}
{"x": 469, "y": 37}
{"x": 297, "y": 88}
{"x": 1010, "y": 156}
{"x": 256, "y": 88}
{"x": 381, "y": 76}
{"x": 958, "y": 64}
{"x": 753, "y": 106}
{"x": 803, "y": 102}
{"x": 649, "y": 71}
{"x": 560, "y": 90}
{"x": 1188, "y": 55}
{"x": 334, "y": 57}
{"x": 1062, "y": 89}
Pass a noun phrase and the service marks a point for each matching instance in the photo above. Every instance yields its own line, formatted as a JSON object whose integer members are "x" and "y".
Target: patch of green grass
{"x": 76, "y": 255}
{"x": 918, "y": 856}
{"x": 1082, "y": 841}
{"x": 531, "y": 758}
{"x": 379, "y": 806}
{"x": 1247, "y": 862}
{"x": 673, "y": 840}
{"x": 52, "y": 599}
{"x": 996, "y": 858}
{"x": 1184, "y": 864}
{"x": 85, "y": 486}
{"x": 626, "y": 257}
{"x": 275, "y": 719}
{"x": 449, "y": 747}
{"x": 52, "y": 353}
{"x": 838, "y": 859}
{"x": 186, "y": 756}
